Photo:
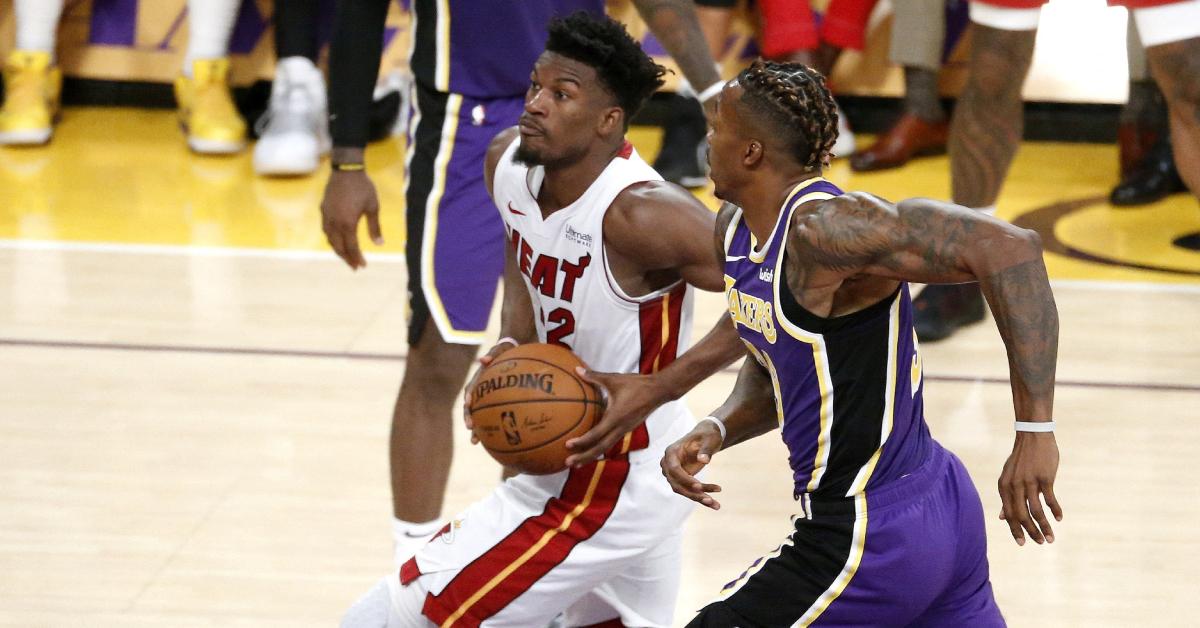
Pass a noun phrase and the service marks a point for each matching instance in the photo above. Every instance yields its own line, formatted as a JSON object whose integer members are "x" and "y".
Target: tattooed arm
{"x": 931, "y": 242}
{"x": 675, "y": 25}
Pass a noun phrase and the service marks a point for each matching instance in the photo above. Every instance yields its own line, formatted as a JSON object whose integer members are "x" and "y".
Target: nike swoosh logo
{"x": 515, "y": 210}
{"x": 734, "y": 259}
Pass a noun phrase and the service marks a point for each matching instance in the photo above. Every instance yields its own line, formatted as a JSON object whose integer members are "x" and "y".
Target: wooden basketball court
{"x": 195, "y": 395}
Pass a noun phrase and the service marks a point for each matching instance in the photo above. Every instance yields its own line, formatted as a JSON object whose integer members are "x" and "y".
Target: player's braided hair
{"x": 603, "y": 44}
{"x": 800, "y": 108}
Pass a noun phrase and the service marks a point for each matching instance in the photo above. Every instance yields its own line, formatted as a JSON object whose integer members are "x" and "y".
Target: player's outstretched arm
{"x": 749, "y": 411}
{"x": 675, "y": 25}
{"x": 661, "y": 227}
{"x": 353, "y": 68}
{"x": 932, "y": 242}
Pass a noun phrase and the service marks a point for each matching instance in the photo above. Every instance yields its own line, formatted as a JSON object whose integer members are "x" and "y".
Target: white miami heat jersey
{"x": 576, "y": 301}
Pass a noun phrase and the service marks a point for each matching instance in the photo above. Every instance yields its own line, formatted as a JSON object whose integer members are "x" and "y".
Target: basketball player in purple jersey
{"x": 891, "y": 528}
{"x": 470, "y": 62}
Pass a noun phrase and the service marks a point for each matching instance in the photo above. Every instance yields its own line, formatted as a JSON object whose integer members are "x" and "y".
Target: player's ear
{"x": 752, "y": 154}
{"x": 612, "y": 121}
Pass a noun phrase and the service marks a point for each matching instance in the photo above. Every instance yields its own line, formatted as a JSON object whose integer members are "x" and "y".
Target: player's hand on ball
{"x": 1027, "y": 478}
{"x": 629, "y": 400}
{"x": 686, "y": 457}
{"x": 484, "y": 361}
{"x": 348, "y": 197}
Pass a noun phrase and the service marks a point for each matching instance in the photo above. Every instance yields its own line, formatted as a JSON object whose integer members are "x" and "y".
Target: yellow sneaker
{"x": 206, "y": 110}
{"x": 31, "y": 86}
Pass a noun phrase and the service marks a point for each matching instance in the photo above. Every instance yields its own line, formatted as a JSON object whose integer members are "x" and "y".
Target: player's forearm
{"x": 675, "y": 25}
{"x": 750, "y": 409}
{"x": 516, "y": 310}
{"x": 1023, "y": 304}
{"x": 719, "y": 348}
{"x": 353, "y": 68}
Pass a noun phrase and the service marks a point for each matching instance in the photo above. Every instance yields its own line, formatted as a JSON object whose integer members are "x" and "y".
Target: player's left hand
{"x": 1027, "y": 478}
{"x": 630, "y": 399}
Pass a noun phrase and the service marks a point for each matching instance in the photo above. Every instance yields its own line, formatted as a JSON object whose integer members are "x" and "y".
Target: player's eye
{"x": 560, "y": 94}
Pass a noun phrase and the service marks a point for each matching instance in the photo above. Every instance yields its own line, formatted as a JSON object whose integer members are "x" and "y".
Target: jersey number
{"x": 566, "y": 326}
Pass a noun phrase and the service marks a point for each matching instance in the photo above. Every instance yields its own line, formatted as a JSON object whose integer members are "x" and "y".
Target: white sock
{"x": 210, "y": 23}
{"x": 408, "y": 537}
{"x": 37, "y": 24}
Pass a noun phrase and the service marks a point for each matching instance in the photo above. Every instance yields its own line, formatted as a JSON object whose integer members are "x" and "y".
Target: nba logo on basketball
{"x": 509, "y": 421}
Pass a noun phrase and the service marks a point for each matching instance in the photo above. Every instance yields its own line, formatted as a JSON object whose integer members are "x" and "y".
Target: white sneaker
{"x": 293, "y": 134}
{"x": 844, "y": 146}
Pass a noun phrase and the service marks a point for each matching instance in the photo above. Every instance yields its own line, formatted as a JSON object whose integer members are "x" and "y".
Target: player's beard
{"x": 527, "y": 156}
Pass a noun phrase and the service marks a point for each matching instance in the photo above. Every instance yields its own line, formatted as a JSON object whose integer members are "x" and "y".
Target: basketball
{"x": 528, "y": 403}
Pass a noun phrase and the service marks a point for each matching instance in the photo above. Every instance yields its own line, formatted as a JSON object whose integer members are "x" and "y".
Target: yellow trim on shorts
{"x": 532, "y": 551}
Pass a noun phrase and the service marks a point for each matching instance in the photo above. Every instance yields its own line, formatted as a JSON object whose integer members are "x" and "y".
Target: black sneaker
{"x": 683, "y": 157}
{"x": 940, "y": 310}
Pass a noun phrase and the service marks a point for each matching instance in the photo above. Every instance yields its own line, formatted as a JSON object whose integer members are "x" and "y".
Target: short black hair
{"x": 794, "y": 100}
{"x": 603, "y": 44}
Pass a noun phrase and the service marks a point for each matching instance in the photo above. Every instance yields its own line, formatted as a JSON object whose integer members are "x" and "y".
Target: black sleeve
{"x": 354, "y": 67}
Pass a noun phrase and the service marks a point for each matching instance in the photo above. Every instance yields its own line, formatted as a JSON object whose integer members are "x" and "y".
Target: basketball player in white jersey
{"x": 602, "y": 258}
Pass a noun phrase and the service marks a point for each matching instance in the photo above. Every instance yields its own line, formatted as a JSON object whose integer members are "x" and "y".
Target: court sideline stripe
{"x": 400, "y": 357}
{"x": 328, "y": 256}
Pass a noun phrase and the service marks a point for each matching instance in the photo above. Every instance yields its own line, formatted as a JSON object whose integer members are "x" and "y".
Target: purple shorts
{"x": 455, "y": 248}
{"x": 910, "y": 553}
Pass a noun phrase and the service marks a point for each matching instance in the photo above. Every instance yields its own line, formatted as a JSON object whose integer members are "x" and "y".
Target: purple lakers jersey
{"x": 483, "y": 48}
{"x": 847, "y": 389}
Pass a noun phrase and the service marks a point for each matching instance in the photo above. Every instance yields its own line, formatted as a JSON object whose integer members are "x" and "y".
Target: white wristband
{"x": 1035, "y": 426}
{"x": 508, "y": 339}
{"x": 718, "y": 422}
{"x": 710, "y": 92}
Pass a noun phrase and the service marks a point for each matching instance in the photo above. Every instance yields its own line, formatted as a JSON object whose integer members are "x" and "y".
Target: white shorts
{"x": 599, "y": 543}
{"x": 1168, "y": 23}
{"x": 1004, "y": 18}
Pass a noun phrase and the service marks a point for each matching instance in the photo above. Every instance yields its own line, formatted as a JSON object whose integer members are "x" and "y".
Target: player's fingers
{"x": 680, "y": 480}
{"x": 373, "y": 227}
{"x": 595, "y": 436}
{"x": 1019, "y": 508}
{"x": 1008, "y": 514}
{"x": 599, "y": 379}
{"x": 334, "y": 237}
{"x": 353, "y": 253}
{"x": 1026, "y": 496}
{"x": 486, "y": 360}
{"x": 589, "y": 455}
{"x": 1052, "y": 501}
{"x": 1033, "y": 495}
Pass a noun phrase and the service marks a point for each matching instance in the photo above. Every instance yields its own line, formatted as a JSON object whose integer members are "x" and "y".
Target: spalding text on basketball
{"x": 536, "y": 381}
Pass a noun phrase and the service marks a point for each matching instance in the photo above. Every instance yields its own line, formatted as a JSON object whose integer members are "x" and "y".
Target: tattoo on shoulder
{"x": 856, "y": 230}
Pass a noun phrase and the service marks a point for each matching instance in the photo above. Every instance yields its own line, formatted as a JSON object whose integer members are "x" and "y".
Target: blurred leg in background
{"x": 294, "y": 131}
{"x": 918, "y": 38}
{"x": 1148, "y": 171}
{"x": 32, "y": 80}
{"x": 206, "y": 111}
